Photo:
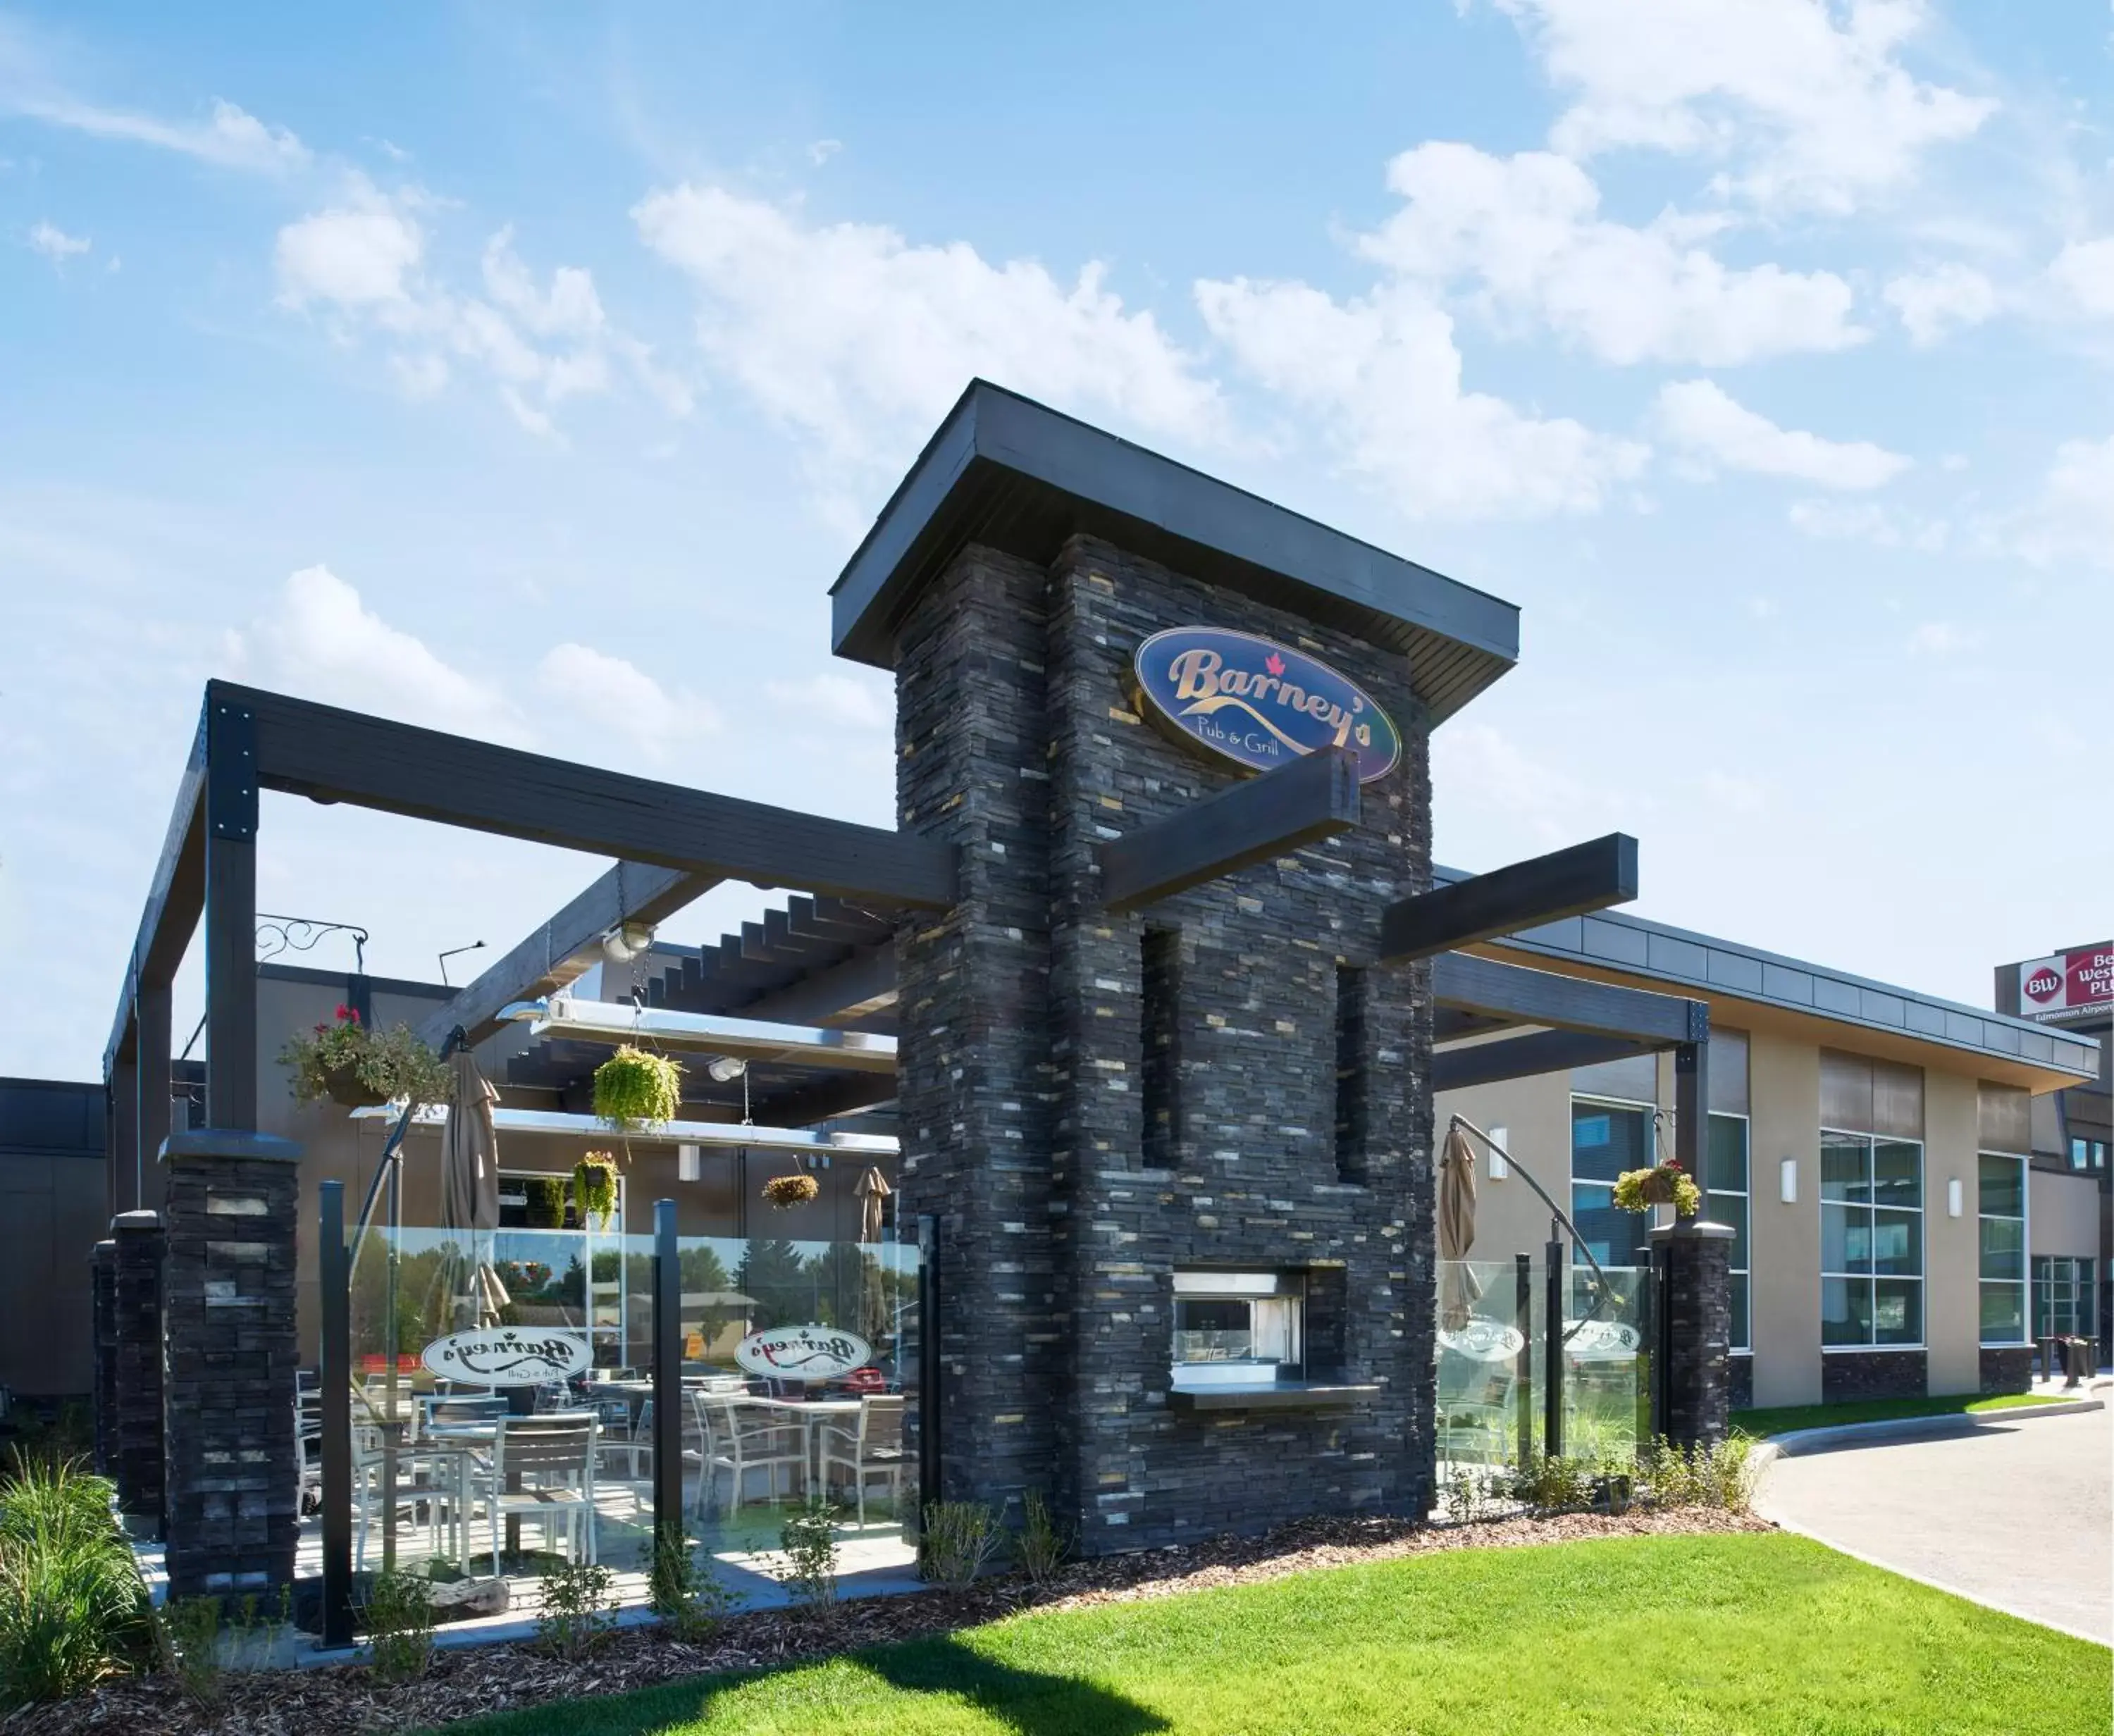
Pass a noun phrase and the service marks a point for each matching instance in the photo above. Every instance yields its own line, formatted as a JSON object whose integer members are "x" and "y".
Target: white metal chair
{"x": 743, "y": 1435}
{"x": 554, "y": 1456}
{"x": 870, "y": 1447}
{"x": 617, "y": 1434}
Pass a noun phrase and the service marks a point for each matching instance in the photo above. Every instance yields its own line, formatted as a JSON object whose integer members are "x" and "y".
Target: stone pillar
{"x": 136, "y": 1437}
{"x": 1691, "y": 1395}
{"x": 102, "y": 1287}
{"x": 234, "y": 1471}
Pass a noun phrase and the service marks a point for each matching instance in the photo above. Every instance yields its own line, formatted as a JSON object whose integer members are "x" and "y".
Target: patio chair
{"x": 554, "y": 1456}
{"x": 743, "y": 1435}
{"x": 427, "y": 1486}
{"x": 617, "y": 1434}
{"x": 870, "y": 1447}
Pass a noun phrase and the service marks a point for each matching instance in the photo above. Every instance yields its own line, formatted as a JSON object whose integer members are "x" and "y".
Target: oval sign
{"x": 508, "y": 1356}
{"x": 1258, "y": 703}
{"x": 803, "y": 1352}
{"x": 1601, "y": 1340}
{"x": 1484, "y": 1340}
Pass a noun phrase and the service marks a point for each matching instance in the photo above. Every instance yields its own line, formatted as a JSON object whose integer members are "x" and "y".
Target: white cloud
{"x": 1699, "y": 416}
{"x": 2073, "y": 518}
{"x": 361, "y": 263}
{"x": 2084, "y": 271}
{"x": 321, "y": 642}
{"x": 1935, "y": 304}
{"x": 1482, "y": 764}
{"x": 623, "y": 698}
{"x": 861, "y": 339}
{"x": 823, "y": 149}
{"x": 1941, "y": 639}
{"x": 1866, "y": 521}
{"x": 1526, "y": 229}
{"x": 1383, "y": 375}
{"x": 1808, "y": 99}
{"x": 838, "y": 697}
{"x": 56, "y": 244}
{"x": 231, "y": 139}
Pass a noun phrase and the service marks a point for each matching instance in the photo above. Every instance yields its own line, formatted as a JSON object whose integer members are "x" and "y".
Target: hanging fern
{"x": 786, "y": 1191}
{"x": 634, "y": 1090}
{"x": 594, "y": 1185}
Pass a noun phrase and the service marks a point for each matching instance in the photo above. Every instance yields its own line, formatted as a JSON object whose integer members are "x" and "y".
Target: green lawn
{"x": 1785, "y": 1417}
{"x": 1746, "y": 1634}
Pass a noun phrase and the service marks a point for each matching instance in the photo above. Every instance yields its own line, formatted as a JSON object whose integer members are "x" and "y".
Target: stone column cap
{"x": 229, "y": 1142}
{"x": 135, "y": 1220}
{"x": 1691, "y": 1231}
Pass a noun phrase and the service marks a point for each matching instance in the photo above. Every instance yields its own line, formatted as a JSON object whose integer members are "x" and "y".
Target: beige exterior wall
{"x": 2062, "y": 1214}
{"x": 1952, "y": 1247}
{"x": 1784, "y": 1240}
{"x": 1536, "y": 1114}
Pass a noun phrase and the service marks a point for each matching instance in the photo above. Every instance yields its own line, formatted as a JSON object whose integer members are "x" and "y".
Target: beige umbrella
{"x": 470, "y": 1187}
{"x": 1458, "y": 1286}
{"x": 873, "y": 1190}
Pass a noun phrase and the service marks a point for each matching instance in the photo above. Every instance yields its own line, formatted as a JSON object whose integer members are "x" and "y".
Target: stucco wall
{"x": 1784, "y": 1082}
{"x": 1953, "y": 1295}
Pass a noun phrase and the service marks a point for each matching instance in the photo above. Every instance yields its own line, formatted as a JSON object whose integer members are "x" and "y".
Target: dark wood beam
{"x": 563, "y": 949}
{"x": 1519, "y": 996}
{"x": 1298, "y": 804}
{"x": 175, "y": 898}
{"x": 231, "y": 911}
{"x": 1523, "y": 1057}
{"x": 1692, "y": 1116}
{"x": 835, "y": 995}
{"x": 331, "y": 754}
{"x": 151, "y": 1056}
{"x": 1566, "y": 882}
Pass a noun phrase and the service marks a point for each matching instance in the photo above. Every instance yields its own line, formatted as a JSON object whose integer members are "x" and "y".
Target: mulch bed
{"x": 472, "y": 1682}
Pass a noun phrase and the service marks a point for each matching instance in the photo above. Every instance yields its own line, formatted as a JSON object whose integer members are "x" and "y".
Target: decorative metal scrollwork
{"x": 278, "y": 934}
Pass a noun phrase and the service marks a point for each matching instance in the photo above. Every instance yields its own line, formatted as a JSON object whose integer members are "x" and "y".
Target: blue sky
{"x": 530, "y": 371}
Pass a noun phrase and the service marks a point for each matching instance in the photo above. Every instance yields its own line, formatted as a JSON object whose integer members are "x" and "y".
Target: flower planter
{"x": 344, "y": 1085}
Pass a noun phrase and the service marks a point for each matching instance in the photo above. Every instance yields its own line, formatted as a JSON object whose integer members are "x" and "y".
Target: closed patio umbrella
{"x": 469, "y": 1189}
{"x": 1458, "y": 1286}
{"x": 873, "y": 1191}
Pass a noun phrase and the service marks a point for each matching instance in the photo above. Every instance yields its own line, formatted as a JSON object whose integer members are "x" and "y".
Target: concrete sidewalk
{"x": 2016, "y": 1515}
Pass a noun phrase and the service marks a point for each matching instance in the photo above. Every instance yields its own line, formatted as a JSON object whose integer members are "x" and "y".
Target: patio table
{"x": 812, "y": 1413}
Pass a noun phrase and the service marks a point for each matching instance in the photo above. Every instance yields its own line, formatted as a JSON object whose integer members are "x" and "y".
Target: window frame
{"x": 2081, "y": 1283}
{"x": 1746, "y": 1198}
{"x": 2024, "y": 1221}
{"x": 1873, "y": 1279}
{"x": 1651, "y": 1112}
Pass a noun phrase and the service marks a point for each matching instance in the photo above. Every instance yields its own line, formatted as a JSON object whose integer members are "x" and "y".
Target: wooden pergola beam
{"x": 1296, "y": 805}
{"x": 1523, "y": 1057}
{"x": 1520, "y": 996}
{"x": 1545, "y": 888}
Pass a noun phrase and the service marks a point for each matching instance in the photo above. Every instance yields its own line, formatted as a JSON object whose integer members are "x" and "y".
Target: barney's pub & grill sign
{"x": 1258, "y": 703}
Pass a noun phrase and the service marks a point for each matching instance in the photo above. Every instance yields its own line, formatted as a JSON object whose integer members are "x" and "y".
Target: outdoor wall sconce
{"x": 1954, "y": 1193}
{"x": 689, "y": 1163}
{"x": 1500, "y": 1169}
{"x": 1788, "y": 1181}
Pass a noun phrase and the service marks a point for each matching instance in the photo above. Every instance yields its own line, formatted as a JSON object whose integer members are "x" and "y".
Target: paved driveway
{"x": 2016, "y": 1515}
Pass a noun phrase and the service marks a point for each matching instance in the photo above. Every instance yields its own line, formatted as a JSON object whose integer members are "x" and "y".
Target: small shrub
{"x": 1552, "y": 1483}
{"x": 578, "y": 1608}
{"x": 689, "y": 1598}
{"x": 1460, "y": 1495}
{"x": 1721, "y": 1476}
{"x": 809, "y": 1539}
{"x": 960, "y": 1538}
{"x": 72, "y": 1607}
{"x": 1043, "y": 1543}
{"x": 400, "y": 1626}
{"x": 189, "y": 1634}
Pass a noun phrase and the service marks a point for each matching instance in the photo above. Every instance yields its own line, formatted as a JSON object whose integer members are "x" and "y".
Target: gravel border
{"x": 473, "y": 1682}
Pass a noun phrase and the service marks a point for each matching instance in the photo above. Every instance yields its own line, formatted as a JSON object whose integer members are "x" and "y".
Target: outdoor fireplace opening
{"x": 1239, "y": 1328}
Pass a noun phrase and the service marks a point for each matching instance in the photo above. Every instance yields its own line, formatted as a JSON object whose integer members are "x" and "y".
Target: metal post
{"x": 334, "y": 1378}
{"x": 668, "y": 1378}
{"x": 1692, "y": 1116}
{"x": 231, "y": 915}
{"x": 391, "y": 1420}
{"x": 1523, "y": 1317}
{"x": 929, "y": 1462}
{"x": 1552, "y": 1351}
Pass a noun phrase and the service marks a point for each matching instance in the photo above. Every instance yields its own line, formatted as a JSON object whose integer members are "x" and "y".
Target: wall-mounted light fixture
{"x": 689, "y": 1163}
{"x": 1788, "y": 1181}
{"x": 1500, "y": 1137}
{"x": 1955, "y": 1197}
{"x": 626, "y": 941}
{"x": 726, "y": 1069}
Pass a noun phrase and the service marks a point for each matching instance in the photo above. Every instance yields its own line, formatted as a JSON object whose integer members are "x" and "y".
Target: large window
{"x": 1727, "y": 1177}
{"x": 2002, "y": 1207}
{"x": 1606, "y": 1138}
{"x": 1237, "y": 1327}
{"x": 1871, "y": 1241}
{"x": 2087, "y": 1154}
{"x": 2063, "y": 1297}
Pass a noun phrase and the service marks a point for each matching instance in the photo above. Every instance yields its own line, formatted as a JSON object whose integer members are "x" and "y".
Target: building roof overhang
{"x": 1012, "y": 474}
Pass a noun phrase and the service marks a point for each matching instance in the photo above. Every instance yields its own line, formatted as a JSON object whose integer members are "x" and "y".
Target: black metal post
{"x": 929, "y": 1462}
{"x": 1661, "y": 1340}
{"x": 667, "y": 1379}
{"x": 1692, "y": 1116}
{"x": 334, "y": 1379}
{"x": 1552, "y": 1351}
{"x": 1523, "y": 1319}
{"x": 230, "y": 915}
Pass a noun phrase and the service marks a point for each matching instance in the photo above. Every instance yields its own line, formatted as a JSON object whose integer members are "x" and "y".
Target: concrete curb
{"x": 1800, "y": 1440}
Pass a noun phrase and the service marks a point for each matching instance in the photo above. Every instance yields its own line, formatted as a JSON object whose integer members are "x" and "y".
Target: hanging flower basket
{"x": 351, "y": 1063}
{"x": 343, "y": 1085}
{"x": 1663, "y": 1184}
{"x": 594, "y": 1185}
{"x": 786, "y": 1192}
{"x": 635, "y": 1090}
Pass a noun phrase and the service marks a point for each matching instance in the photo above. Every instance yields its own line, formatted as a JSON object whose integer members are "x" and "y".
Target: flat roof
{"x": 1015, "y": 475}
{"x": 1612, "y": 941}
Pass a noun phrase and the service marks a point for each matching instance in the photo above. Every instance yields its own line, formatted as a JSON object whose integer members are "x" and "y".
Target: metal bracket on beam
{"x": 1566, "y": 882}
{"x": 230, "y": 768}
{"x": 1296, "y": 805}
